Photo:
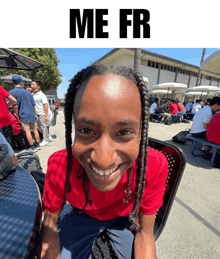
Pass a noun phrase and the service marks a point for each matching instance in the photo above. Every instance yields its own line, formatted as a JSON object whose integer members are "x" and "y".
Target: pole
{"x": 199, "y": 74}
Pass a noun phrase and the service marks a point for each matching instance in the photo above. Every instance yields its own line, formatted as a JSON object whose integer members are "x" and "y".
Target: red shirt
{"x": 213, "y": 130}
{"x": 4, "y": 113}
{"x": 15, "y": 124}
{"x": 105, "y": 205}
{"x": 181, "y": 107}
{"x": 174, "y": 108}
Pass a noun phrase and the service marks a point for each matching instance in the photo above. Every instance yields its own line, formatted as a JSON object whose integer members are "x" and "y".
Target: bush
{"x": 62, "y": 104}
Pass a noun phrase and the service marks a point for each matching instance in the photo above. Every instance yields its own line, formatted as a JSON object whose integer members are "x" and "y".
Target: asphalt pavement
{"x": 193, "y": 226}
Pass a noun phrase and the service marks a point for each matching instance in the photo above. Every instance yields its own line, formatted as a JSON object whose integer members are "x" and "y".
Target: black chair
{"x": 176, "y": 160}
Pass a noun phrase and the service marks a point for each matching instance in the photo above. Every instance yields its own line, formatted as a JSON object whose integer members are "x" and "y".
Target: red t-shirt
{"x": 213, "y": 130}
{"x": 181, "y": 107}
{"x": 174, "y": 108}
{"x": 4, "y": 113}
{"x": 15, "y": 124}
{"x": 105, "y": 205}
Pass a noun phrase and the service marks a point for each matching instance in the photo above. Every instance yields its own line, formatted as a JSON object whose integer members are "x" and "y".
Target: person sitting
{"x": 196, "y": 107}
{"x": 181, "y": 108}
{"x": 153, "y": 107}
{"x": 164, "y": 110}
{"x": 189, "y": 106}
{"x": 174, "y": 109}
{"x": 208, "y": 101}
{"x": 201, "y": 121}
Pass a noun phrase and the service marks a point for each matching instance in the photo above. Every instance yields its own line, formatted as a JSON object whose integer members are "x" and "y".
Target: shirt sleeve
{"x": 5, "y": 93}
{"x": 54, "y": 184}
{"x": 207, "y": 117}
{"x": 4, "y": 141}
{"x": 152, "y": 198}
{"x": 44, "y": 99}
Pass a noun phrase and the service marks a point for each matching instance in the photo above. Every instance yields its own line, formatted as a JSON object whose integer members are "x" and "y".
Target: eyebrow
{"x": 119, "y": 123}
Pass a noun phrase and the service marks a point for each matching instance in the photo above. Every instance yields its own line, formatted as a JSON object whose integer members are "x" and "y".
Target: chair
{"x": 176, "y": 161}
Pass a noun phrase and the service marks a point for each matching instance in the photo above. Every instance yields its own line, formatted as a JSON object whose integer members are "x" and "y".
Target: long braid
{"x": 128, "y": 73}
{"x": 143, "y": 151}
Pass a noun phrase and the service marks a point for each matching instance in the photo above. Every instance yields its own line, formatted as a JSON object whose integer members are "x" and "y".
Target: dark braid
{"x": 143, "y": 151}
{"x": 128, "y": 73}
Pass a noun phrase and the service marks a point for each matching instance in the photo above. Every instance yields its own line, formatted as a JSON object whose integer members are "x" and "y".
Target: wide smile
{"x": 104, "y": 176}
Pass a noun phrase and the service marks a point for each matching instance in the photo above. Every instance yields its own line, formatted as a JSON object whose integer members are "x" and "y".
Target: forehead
{"x": 108, "y": 94}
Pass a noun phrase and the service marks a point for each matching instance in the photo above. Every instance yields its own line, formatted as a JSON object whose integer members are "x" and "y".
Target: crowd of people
{"x": 205, "y": 118}
{"x": 26, "y": 114}
{"x": 172, "y": 107}
{"x": 168, "y": 109}
{"x": 206, "y": 124}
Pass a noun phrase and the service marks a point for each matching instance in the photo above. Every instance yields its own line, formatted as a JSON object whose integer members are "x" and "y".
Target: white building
{"x": 160, "y": 69}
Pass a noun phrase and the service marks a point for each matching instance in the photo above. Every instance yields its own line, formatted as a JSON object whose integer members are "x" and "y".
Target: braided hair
{"x": 78, "y": 79}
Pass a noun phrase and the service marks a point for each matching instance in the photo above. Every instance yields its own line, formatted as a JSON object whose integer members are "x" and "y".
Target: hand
{"x": 46, "y": 119}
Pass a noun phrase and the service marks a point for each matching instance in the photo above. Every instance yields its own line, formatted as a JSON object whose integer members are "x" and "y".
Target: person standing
{"x": 41, "y": 111}
{"x": 25, "y": 111}
{"x": 5, "y": 121}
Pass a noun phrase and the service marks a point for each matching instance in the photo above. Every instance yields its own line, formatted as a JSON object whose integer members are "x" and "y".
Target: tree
{"x": 49, "y": 75}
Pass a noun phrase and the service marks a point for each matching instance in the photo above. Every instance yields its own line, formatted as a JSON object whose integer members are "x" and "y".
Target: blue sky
{"x": 73, "y": 60}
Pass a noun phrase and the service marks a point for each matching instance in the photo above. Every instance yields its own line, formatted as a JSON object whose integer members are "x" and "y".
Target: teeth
{"x": 100, "y": 172}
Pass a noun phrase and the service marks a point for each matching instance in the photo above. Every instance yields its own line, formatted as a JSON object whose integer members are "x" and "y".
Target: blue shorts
{"x": 78, "y": 233}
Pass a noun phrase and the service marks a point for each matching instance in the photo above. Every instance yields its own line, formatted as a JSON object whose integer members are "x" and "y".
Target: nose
{"x": 104, "y": 154}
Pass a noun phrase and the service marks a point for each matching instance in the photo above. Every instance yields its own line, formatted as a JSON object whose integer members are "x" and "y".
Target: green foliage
{"x": 49, "y": 75}
{"x": 62, "y": 104}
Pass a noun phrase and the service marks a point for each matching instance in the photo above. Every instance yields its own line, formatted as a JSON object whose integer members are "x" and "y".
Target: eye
{"x": 125, "y": 132}
{"x": 86, "y": 131}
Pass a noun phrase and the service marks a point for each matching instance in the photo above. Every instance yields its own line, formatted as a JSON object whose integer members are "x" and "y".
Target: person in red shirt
{"x": 173, "y": 108}
{"x": 113, "y": 181}
{"x": 5, "y": 121}
{"x": 213, "y": 130}
{"x": 57, "y": 106}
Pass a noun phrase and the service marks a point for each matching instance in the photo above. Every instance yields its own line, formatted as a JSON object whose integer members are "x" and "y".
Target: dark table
{"x": 20, "y": 215}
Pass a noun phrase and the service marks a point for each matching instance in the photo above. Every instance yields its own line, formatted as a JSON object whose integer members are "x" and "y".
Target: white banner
{"x": 46, "y": 23}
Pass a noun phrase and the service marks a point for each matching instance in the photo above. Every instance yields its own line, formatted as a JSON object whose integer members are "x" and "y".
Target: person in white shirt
{"x": 196, "y": 107}
{"x": 202, "y": 119}
{"x": 41, "y": 111}
{"x": 154, "y": 106}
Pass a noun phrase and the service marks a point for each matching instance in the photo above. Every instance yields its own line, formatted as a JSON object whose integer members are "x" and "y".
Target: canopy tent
{"x": 170, "y": 86}
{"x": 146, "y": 80}
{"x": 8, "y": 79}
{"x": 195, "y": 93}
{"x": 13, "y": 60}
{"x": 202, "y": 88}
{"x": 160, "y": 92}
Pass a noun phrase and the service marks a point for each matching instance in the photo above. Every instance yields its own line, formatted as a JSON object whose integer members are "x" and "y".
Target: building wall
{"x": 150, "y": 70}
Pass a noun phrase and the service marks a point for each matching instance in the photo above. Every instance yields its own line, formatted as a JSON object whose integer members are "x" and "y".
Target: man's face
{"x": 168, "y": 103}
{"x": 35, "y": 87}
{"x": 215, "y": 107}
